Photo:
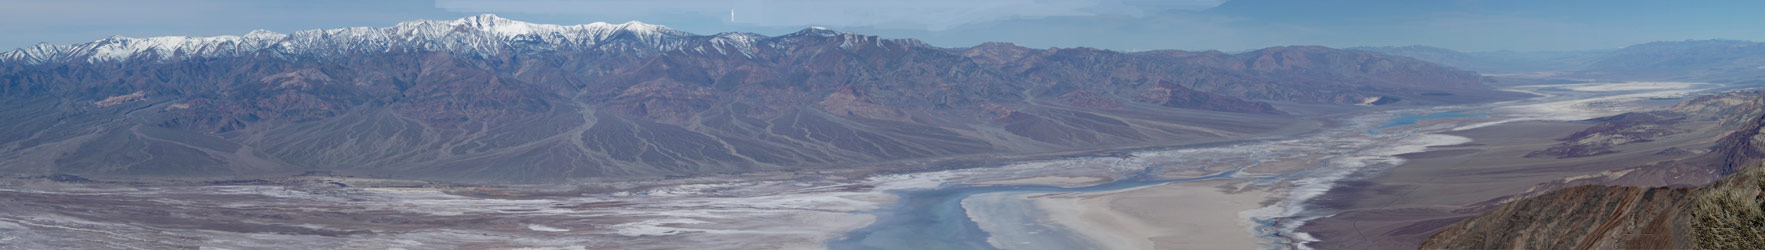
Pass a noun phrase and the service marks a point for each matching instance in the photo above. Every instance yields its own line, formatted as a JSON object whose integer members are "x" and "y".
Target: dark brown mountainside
{"x": 1729, "y": 214}
{"x": 469, "y": 100}
{"x": 1726, "y": 214}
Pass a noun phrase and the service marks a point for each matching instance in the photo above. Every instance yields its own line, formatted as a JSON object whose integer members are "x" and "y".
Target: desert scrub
{"x": 1731, "y": 214}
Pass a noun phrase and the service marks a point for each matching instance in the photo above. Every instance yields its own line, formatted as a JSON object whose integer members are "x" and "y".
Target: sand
{"x": 1191, "y": 215}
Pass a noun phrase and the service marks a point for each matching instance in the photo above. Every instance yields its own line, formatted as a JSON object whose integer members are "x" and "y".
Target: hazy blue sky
{"x": 1474, "y": 25}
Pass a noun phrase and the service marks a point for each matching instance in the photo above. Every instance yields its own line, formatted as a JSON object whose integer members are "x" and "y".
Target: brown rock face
{"x": 667, "y": 103}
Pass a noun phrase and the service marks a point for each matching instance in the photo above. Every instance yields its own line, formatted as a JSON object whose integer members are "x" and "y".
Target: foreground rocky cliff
{"x": 1725, "y": 214}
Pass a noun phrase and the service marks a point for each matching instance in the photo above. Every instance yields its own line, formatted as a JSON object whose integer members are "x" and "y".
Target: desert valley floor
{"x": 1324, "y": 180}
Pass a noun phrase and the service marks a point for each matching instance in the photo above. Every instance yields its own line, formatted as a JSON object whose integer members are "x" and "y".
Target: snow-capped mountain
{"x": 479, "y": 35}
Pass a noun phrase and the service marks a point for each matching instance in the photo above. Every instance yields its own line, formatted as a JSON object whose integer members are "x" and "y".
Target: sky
{"x": 1227, "y": 25}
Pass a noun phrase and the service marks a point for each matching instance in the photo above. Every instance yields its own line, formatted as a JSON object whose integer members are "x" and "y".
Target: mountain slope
{"x": 489, "y": 99}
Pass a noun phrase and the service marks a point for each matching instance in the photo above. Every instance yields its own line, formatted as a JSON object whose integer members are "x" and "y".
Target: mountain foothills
{"x": 1708, "y": 201}
{"x": 490, "y": 99}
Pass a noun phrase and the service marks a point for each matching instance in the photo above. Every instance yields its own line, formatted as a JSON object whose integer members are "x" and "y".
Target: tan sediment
{"x": 114, "y": 100}
{"x": 1191, "y": 215}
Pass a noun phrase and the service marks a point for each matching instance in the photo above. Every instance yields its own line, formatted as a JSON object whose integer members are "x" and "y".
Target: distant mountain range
{"x": 1688, "y": 60}
{"x": 1691, "y": 60}
{"x": 1494, "y": 61}
{"x": 490, "y": 99}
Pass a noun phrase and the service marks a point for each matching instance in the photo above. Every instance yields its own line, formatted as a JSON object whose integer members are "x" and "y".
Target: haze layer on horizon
{"x": 1230, "y": 25}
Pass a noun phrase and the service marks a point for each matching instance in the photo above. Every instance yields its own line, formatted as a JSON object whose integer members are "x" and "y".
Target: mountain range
{"x": 1689, "y": 60}
{"x": 485, "y": 98}
{"x": 1496, "y": 62}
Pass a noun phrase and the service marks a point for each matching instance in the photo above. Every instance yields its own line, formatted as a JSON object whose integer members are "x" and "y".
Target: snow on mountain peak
{"x": 487, "y": 18}
{"x": 641, "y": 27}
{"x": 481, "y": 35}
{"x": 265, "y": 35}
{"x": 818, "y": 31}
{"x": 501, "y": 26}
